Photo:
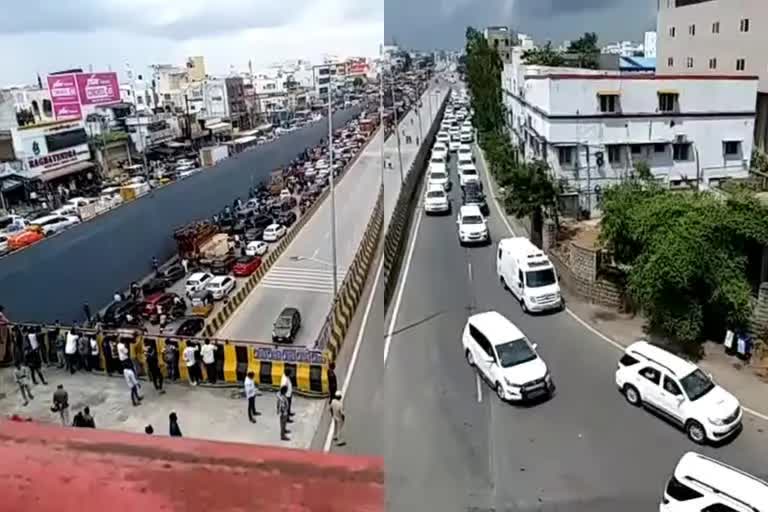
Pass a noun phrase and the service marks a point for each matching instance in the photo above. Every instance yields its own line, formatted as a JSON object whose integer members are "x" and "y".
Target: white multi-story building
{"x": 649, "y": 45}
{"x": 623, "y": 48}
{"x": 593, "y": 127}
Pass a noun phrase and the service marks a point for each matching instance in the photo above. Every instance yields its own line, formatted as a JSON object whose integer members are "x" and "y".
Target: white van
{"x": 701, "y": 483}
{"x": 466, "y": 134}
{"x": 529, "y": 274}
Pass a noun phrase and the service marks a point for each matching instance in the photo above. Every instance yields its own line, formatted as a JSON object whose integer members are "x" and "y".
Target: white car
{"x": 79, "y": 202}
{"x": 454, "y": 145}
{"x": 436, "y": 200}
{"x": 309, "y": 171}
{"x": 197, "y": 281}
{"x": 657, "y": 379}
{"x": 68, "y": 210}
{"x": 467, "y": 173}
{"x": 258, "y": 248}
{"x": 221, "y": 286}
{"x": 465, "y": 153}
{"x": 52, "y": 224}
{"x": 439, "y": 179}
{"x": 440, "y": 150}
{"x": 505, "y": 358}
{"x": 274, "y": 232}
{"x": 472, "y": 226}
{"x": 438, "y": 163}
{"x": 443, "y": 137}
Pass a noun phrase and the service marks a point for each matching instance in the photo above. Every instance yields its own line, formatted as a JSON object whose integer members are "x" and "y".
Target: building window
{"x": 689, "y": 62}
{"x": 671, "y": 31}
{"x": 47, "y": 108}
{"x": 681, "y": 152}
{"x": 740, "y": 64}
{"x": 732, "y": 148}
{"x": 744, "y": 25}
{"x": 692, "y": 30}
{"x": 614, "y": 154}
{"x": 713, "y": 63}
{"x": 608, "y": 103}
{"x": 659, "y": 148}
{"x": 670, "y": 62}
{"x": 565, "y": 155}
{"x": 667, "y": 102}
{"x": 636, "y": 149}
{"x": 716, "y": 27}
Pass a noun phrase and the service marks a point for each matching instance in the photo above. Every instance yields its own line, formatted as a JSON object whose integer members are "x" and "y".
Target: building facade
{"x": 502, "y": 39}
{"x": 593, "y": 127}
{"x": 237, "y": 109}
{"x": 716, "y": 37}
{"x": 649, "y": 45}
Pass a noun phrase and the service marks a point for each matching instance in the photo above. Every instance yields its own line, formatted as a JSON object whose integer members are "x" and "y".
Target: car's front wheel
{"x": 470, "y": 359}
{"x": 696, "y": 432}
{"x": 500, "y": 391}
{"x": 632, "y": 395}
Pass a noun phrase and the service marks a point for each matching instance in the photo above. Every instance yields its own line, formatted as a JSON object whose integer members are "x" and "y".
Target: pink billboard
{"x": 64, "y": 111}
{"x": 63, "y": 89}
{"x": 98, "y": 88}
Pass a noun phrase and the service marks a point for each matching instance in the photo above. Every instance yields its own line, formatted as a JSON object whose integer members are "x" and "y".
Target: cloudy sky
{"x": 430, "y": 24}
{"x": 49, "y": 35}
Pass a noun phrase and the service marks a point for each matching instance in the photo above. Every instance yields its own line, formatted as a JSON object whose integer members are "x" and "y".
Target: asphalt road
{"x": 90, "y": 261}
{"x": 449, "y": 444}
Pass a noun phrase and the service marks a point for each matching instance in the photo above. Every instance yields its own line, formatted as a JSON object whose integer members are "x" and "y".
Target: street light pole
{"x": 418, "y": 113}
{"x": 397, "y": 129}
{"x": 381, "y": 122}
{"x": 333, "y": 187}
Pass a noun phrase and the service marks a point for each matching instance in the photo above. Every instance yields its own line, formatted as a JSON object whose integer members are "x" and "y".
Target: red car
{"x": 171, "y": 306}
{"x": 246, "y": 265}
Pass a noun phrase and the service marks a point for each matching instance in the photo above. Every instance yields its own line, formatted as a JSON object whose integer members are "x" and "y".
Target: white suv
{"x": 436, "y": 200}
{"x": 473, "y": 228}
{"x": 505, "y": 358}
{"x": 678, "y": 389}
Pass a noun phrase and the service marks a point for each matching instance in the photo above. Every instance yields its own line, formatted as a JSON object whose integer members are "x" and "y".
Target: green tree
{"x": 587, "y": 50}
{"x": 687, "y": 256}
{"x": 484, "y": 82}
{"x": 531, "y": 193}
{"x": 544, "y": 56}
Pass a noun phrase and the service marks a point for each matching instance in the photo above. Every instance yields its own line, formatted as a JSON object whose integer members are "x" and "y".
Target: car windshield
{"x": 284, "y": 322}
{"x": 437, "y": 160}
{"x": 696, "y": 384}
{"x": 437, "y": 176}
{"x": 538, "y": 278}
{"x": 436, "y": 193}
{"x": 515, "y": 352}
{"x": 472, "y": 219}
{"x": 469, "y": 172}
{"x": 244, "y": 260}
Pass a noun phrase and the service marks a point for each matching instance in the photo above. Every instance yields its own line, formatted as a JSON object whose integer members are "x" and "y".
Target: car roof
{"x": 724, "y": 480}
{"x": 288, "y": 311}
{"x": 434, "y": 187}
{"x": 197, "y": 276}
{"x": 675, "y": 364}
{"x": 46, "y": 218}
{"x": 470, "y": 209}
{"x": 492, "y": 323}
{"x": 219, "y": 279}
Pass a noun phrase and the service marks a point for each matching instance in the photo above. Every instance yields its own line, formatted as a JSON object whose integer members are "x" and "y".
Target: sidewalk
{"x": 623, "y": 329}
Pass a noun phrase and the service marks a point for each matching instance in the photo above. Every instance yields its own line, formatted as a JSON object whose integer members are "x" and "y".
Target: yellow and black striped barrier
{"x": 346, "y": 301}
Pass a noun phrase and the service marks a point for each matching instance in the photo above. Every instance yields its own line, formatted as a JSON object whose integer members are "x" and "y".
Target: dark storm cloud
{"x": 428, "y": 24}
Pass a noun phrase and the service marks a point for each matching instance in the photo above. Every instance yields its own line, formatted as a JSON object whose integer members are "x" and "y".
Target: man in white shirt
{"x": 95, "y": 362}
{"x": 191, "y": 362}
{"x": 208, "y": 352}
{"x": 285, "y": 381}
{"x": 133, "y": 384}
{"x": 251, "y": 392}
{"x": 70, "y": 350}
{"x": 123, "y": 354}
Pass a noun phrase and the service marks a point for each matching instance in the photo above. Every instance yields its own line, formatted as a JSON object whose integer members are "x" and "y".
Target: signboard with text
{"x": 69, "y": 92}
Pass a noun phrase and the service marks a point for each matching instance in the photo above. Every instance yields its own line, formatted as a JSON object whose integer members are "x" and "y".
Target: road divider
{"x": 397, "y": 229}
{"x": 347, "y": 299}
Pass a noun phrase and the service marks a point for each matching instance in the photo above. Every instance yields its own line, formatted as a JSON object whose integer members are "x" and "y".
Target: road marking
{"x": 300, "y": 279}
{"x": 479, "y": 389}
{"x": 469, "y": 267}
{"x": 583, "y": 323}
{"x": 399, "y": 299}
{"x": 356, "y": 350}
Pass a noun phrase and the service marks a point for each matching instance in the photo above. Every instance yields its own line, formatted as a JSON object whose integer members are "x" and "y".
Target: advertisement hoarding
{"x": 69, "y": 92}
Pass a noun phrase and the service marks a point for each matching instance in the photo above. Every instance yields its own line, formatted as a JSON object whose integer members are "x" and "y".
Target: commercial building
{"x": 502, "y": 39}
{"x": 649, "y": 45}
{"x": 237, "y": 112}
{"x": 593, "y": 127}
{"x": 717, "y": 38}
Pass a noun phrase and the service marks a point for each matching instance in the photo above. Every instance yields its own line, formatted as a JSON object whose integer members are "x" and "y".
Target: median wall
{"x": 397, "y": 229}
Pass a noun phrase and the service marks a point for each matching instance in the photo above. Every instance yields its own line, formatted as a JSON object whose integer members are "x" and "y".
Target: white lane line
{"x": 479, "y": 389}
{"x": 399, "y": 299}
{"x": 356, "y": 350}
{"x": 290, "y": 287}
{"x": 613, "y": 343}
{"x": 469, "y": 267}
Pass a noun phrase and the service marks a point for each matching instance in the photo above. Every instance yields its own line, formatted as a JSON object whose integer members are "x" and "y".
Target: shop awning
{"x": 219, "y": 127}
{"x": 65, "y": 171}
{"x": 609, "y": 93}
{"x": 669, "y": 91}
{"x": 245, "y": 140}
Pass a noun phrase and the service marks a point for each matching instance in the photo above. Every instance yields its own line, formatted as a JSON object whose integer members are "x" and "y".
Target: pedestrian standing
{"x": 133, "y": 385}
{"x": 337, "y": 413}
{"x": 155, "y": 265}
{"x": 209, "y": 360}
{"x": 60, "y": 346}
{"x": 191, "y": 361}
{"x": 21, "y": 376}
{"x": 333, "y": 384}
{"x": 173, "y": 425}
{"x": 153, "y": 366}
{"x": 185, "y": 265}
{"x": 70, "y": 351}
{"x": 83, "y": 352}
{"x": 61, "y": 404}
{"x": 117, "y": 297}
{"x": 171, "y": 358}
{"x": 94, "y": 355}
{"x": 282, "y": 413}
{"x": 123, "y": 355}
{"x": 250, "y": 393}
{"x": 135, "y": 290}
{"x": 87, "y": 311}
{"x": 34, "y": 363}
{"x": 285, "y": 382}
{"x": 149, "y": 430}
